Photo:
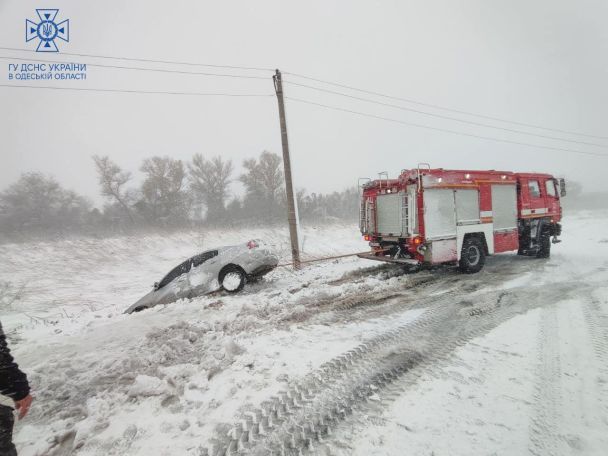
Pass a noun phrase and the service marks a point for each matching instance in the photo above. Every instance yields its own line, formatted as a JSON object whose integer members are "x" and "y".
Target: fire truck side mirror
{"x": 562, "y": 187}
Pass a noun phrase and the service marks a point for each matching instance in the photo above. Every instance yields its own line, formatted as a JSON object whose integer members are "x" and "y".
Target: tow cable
{"x": 282, "y": 265}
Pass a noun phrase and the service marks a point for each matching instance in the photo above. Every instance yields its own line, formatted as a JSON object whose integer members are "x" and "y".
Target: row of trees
{"x": 172, "y": 194}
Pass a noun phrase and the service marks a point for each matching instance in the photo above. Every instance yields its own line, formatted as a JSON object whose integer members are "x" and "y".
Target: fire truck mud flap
{"x": 386, "y": 259}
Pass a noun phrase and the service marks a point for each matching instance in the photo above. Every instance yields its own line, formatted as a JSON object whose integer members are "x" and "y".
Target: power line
{"x": 441, "y": 116}
{"x": 408, "y": 100}
{"x": 429, "y": 105}
{"x": 146, "y": 92}
{"x": 167, "y": 62}
{"x": 455, "y": 132}
{"x": 159, "y": 70}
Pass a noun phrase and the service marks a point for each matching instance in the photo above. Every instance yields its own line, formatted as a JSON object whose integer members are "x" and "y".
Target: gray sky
{"x": 543, "y": 62}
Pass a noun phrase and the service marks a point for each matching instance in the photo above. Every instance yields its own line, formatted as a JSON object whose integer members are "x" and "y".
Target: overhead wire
{"x": 441, "y": 116}
{"x": 159, "y": 70}
{"x": 444, "y": 108}
{"x": 223, "y": 94}
{"x": 134, "y": 59}
{"x": 455, "y": 132}
{"x": 345, "y": 86}
{"x": 147, "y": 92}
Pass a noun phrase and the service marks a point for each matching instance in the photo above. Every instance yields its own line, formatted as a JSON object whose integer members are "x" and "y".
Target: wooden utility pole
{"x": 291, "y": 202}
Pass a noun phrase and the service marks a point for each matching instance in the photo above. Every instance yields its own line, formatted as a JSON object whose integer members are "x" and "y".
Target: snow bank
{"x": 163, "y": 380}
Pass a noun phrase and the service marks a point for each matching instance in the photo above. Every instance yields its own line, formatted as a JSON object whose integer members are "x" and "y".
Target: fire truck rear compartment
{"x": 392, "y": 221}
{"x": 391, "y": 214}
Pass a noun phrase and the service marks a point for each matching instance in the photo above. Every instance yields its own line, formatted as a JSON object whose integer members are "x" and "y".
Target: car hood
{"x": 153, "y": 298}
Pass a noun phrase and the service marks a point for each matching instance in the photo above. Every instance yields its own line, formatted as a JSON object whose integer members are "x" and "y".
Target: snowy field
{"x": 344, "y": 357}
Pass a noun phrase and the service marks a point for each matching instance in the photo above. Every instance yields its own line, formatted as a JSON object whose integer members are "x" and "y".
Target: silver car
{"x": 227, "y": 268}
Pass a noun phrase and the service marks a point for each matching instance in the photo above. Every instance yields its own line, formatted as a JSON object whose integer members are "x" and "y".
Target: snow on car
{"x": 227, "y": 268}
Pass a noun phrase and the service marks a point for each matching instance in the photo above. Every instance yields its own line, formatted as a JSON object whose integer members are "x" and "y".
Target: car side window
{"x": 175, "y": 272}
{"x": 186, "y": 266}
{"x": 200, "y": 259}
{"x": 550, "y": 188}
{"x": 534, "y": 188}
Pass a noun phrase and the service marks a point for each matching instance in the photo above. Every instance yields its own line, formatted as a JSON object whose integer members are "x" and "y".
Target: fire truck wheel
{"x": 524, "y": 245}
{"x": 545, "y": 245}
{"x": 472, "y": 257}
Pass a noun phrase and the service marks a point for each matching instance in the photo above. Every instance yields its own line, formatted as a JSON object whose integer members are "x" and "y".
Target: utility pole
{"x": 291, "y": 202}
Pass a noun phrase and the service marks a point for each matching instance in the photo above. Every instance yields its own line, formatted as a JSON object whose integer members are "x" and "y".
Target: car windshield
{"x": 185, "y": 267}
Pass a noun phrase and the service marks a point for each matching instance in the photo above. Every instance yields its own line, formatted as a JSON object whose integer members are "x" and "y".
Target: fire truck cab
{"x": 433, "y": 216}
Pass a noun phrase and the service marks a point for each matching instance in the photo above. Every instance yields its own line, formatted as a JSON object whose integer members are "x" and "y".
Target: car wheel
{"x": 139, "y": 309}
{"x": 232, "y": 279}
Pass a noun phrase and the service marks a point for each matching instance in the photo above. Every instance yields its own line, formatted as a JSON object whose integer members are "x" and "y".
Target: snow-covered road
{"x": 345, "y": 357}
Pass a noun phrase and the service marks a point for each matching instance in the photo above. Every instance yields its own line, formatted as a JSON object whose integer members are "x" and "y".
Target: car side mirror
{"x": 155, "y": 285}
{"x": 562, "y": 187}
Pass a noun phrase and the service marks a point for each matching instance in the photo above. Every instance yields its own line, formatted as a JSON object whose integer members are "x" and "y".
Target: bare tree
{"x": 38, "y": 203}
{"x": 113, "y": 180}
{"x": 164, "y": 197}
{"x": 263, "y": 180}
{"x": 210, "y": 181}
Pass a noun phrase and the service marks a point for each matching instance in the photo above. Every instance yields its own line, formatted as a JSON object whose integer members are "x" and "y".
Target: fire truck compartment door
{"x": 370, "y": 221}
{"x": 504, "y": 207}
{"x": 439, "y": 213}
{"x": 467, "y": 206}
{"x": 389, "y": 215}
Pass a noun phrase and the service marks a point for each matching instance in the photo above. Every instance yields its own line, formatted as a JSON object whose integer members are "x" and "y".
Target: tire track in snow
{"x": 330, "y": 391}
{"x": 352, "y": 364}
{"x": 597, "y": 326}
{"x": 544, "y": 434}
{"x": 304, "y": 417}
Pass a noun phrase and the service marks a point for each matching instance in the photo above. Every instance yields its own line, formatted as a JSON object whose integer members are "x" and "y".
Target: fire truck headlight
{"x": 388, "y": 191}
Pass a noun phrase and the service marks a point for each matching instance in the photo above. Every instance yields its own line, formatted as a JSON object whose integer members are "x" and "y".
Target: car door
{"x": 202, "y": 274}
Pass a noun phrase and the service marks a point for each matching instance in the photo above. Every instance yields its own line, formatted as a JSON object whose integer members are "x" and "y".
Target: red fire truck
{"x": 433, "y": 216}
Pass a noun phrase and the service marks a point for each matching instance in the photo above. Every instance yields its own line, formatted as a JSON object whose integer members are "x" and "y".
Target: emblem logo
{"x": 47, "y": 30}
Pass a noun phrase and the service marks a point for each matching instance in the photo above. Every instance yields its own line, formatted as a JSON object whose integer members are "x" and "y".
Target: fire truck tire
{"x": 544, "y": 250}
{"x": 524, "y": 244}
{"x": 473, "y": 256}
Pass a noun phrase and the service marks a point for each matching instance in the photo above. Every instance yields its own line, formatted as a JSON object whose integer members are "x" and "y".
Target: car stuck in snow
{"x": 227, "y": 268}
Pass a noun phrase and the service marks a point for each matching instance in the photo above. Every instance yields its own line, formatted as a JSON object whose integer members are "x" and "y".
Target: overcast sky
{"x": 543, "y": 62}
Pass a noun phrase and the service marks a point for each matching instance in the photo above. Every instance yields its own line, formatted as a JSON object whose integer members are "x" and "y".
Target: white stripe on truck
{"x": 539, "y": 211}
